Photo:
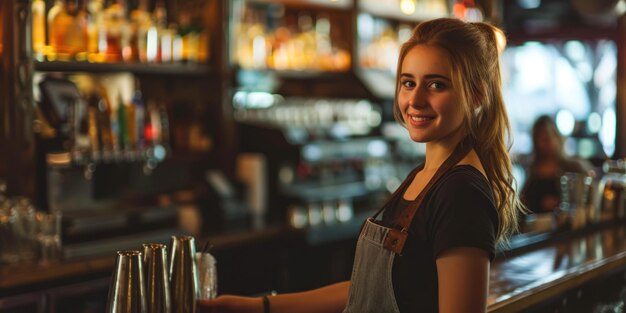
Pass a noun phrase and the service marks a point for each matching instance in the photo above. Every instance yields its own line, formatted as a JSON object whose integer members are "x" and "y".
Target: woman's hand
{"x": 231, "y": 304}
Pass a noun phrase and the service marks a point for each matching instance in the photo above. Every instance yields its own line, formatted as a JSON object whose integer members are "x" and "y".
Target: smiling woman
{"x": 431, "y": 250}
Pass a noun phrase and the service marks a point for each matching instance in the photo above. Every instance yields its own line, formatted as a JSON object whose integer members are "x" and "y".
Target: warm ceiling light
{"x": 407, "y": 6}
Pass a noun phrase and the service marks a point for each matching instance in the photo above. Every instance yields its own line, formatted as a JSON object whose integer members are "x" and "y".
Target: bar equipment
{"x": 157, "y": 278}
{"x": 25, "y": 228}
{"x": 183, "y": 274}
{"x": 127, "y": 289}
{"x": 49, "y": 236}
{"x": 9, "y": 243}
{"x": 575, "y": 198}
{"x": 207, "y": 276}
{"x": 611, "y": 196}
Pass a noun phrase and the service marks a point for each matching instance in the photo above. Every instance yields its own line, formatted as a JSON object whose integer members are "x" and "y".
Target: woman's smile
{"x": 420, "y": 120}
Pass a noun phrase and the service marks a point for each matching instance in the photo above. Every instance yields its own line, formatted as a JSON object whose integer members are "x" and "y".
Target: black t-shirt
{"x": 458, "y": 211}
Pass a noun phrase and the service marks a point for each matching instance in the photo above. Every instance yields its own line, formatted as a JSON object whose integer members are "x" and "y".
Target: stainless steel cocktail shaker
{"x": 183, "y": 275}
{"x": 127, "y": 289}
{"x": 157, "y": 278}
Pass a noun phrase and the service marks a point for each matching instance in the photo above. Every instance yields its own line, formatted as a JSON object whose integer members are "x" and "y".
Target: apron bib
{"x": 371, "y": 286}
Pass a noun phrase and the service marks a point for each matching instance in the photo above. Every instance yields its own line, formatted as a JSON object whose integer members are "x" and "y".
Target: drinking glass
{"x": 9, "y": 243}
{"x": 49, "y": 236}
{"x": 207, "y": 273}
{"x": 25, "y": 228}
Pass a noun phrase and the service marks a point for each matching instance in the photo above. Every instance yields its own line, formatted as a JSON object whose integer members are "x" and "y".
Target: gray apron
{"x": 371, "y": 286}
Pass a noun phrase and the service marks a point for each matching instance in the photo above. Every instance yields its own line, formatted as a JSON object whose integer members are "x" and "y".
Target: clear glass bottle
{"x": 115, "y": 24}
{"x": 39, "y": 28}
{"x": 96, "y": 32}
{"x": 164, "y": 36}
{"x": 140, "y": 22}
{"x": 67, "y": 29}
{"x": 139, "y": 119}
{"x": 55, "y": 31}
{"x": 78, "y": 35}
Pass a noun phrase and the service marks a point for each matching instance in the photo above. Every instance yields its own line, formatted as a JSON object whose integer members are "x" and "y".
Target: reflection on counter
{"x": 520, "y": 281}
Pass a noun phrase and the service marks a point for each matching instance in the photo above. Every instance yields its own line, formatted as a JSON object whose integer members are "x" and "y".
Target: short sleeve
{"x": 463, "y": 214}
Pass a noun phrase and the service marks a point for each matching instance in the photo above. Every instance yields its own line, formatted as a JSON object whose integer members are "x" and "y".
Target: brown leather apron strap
{"x": 397, "y": 235}
{"x": 399, "y": 191}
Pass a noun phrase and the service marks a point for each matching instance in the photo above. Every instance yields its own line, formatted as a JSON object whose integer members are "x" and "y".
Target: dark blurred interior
{"x": 266, "y": 128}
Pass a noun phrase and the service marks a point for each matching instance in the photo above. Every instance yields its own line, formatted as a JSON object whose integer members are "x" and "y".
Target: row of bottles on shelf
{"x": 270, "y": 37}
{"x": 380, "y": 39}
{"x": 380, "y": 42}
{"x": 105, "y": 128}
{"x": 106, "y": 31}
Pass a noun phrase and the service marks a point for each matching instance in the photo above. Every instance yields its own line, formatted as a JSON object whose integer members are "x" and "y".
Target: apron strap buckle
{"x": 395, "y": 240}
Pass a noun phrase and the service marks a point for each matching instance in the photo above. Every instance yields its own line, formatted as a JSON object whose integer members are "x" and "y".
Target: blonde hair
{"x": 472, "y": 49}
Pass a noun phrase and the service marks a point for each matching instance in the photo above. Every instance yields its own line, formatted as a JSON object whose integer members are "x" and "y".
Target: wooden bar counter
{"x": 520, "y": 279}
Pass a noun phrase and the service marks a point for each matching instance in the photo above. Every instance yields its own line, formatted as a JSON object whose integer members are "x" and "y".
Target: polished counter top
{"x": 27, "y": 274}
{"x": 520, "y": 281}
{"x": 24, "y": 275}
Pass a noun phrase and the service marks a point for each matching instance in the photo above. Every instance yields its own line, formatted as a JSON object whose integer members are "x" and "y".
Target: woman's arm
{"x": 463, "y": 275}
{"x": 329, "y": 299}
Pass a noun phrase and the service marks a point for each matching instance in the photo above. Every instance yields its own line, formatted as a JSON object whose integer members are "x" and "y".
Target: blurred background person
{"x": 541, "y": 191}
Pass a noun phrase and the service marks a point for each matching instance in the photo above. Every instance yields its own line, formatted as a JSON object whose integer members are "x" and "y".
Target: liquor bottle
{"x": 67, "y": 29}
{"x": 39, "y": 28}
{"x": 104, "y": 116}
{"x": 154, "y": 120}
{"x": 94, "y": 127}
{"x": 159, "y": 16}
{"x": 189, "y": 38}
{"x": 166, "y": 39}
{"x": 140, "y": 22}
{"x": 115, "y": 24}
{"x": 139, "y": 110}
{"x": 148, "y": 129}
{"x": 122, "y": 121}
{"x": 78, "y": 35}
{"x": 164, "y": 127}
{"x": 96, "y": 32}
{"x": 131, "y": 126}
{"x": 55, "y": 29}
{"x": 115, "y": 127}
